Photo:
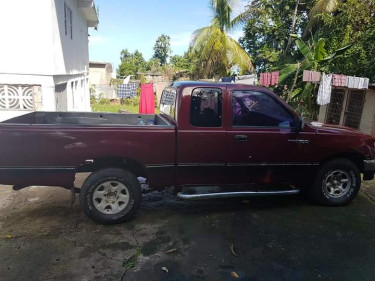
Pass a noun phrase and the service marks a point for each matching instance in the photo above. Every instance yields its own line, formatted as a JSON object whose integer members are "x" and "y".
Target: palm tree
{"x": 324, "y": 6}
{"x": 320, "y": 7}
{"x": 217, "y": 52}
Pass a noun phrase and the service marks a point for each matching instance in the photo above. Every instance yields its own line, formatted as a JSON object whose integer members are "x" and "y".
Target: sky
{"x": 135, "y": 25}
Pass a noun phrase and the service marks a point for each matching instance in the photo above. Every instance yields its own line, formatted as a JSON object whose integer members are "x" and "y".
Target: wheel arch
{"x": 133, "y": 166}
{"x": 355, "y": 157}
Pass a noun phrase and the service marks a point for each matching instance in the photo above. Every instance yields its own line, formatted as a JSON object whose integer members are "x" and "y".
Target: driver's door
{"x": 262, "y": 145}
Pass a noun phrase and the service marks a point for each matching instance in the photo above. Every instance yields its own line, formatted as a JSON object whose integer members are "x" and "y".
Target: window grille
{"x": 354, "y": 107}
{"x": 335, "y": 107}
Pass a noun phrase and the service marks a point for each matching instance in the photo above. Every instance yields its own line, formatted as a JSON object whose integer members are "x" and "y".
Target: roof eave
{"x": 89, "y": 12}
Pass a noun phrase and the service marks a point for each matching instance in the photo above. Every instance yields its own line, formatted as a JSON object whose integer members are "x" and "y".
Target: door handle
{"x": 240, "y": 138}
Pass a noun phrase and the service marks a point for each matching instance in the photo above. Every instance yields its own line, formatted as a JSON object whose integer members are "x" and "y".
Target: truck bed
{"x": 48, "y": 148}
{"x": 87, "y": 119}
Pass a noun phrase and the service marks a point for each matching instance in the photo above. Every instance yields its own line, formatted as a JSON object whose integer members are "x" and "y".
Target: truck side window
{"x": 256, "y": 109}
{"x": 206, "y": 107}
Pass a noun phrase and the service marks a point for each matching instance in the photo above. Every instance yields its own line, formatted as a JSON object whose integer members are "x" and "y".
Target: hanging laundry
{"x": 127, "y": 90}
{"x": 353, "y": 82}
{"x": 339, "y": 80}
{"x": 261, "y": 79}
{"x": 311, "y": 76}
{"x": 228, "y": 79}
{"x": 265, "y": 79}
{"x": 363, "y": 83}
{"x": 147, "y": 100}
{"x": 126, "y": 80}
{"x": 324, "y": 92}
{"x": 274, "y": 78}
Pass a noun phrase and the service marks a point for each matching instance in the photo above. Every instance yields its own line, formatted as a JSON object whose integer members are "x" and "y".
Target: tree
{"x": 162, "y": 48}
{"x": 131, "y": 63}
{"x": 315, "y": 58}
{"x": 216, "y": 51}
{"x": 266, "y": 33}
{"x": 354, "y": 22}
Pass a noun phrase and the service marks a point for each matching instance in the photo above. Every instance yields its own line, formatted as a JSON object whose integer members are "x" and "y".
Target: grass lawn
{"x": 114, "y": 108}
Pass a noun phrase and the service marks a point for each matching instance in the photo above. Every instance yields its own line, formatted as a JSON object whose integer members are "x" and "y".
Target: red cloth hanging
{"x": 261, "y": 80}
{"x": 147, "y": 100}
{"x": 267, "y": 79}
{"x": 274, "y": 78}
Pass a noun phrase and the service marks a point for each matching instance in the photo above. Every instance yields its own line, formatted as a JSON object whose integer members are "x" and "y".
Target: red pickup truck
{"x": 210, "y": 140}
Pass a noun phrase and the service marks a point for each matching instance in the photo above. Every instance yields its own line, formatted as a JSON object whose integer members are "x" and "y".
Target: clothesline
{"x": 337, "y": 80}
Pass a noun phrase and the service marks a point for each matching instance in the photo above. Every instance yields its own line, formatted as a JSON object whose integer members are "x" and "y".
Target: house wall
{"x": 26, "y": 28}
{"x": 368, "y": 115}
{"x": 71, "y": 56}
{"x": 100, "y": 74}
{"x": 367, "y": 124}
{"x": 36, "y": 51}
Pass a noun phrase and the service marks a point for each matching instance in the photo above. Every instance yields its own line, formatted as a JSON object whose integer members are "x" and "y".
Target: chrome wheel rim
{"x": 337, "y": 183}
{"x": 110, "y": 197}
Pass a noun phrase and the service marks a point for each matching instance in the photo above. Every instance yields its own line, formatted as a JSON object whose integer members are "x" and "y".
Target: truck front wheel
{"x": 110, "y": 196}
{"x": 337, "y": 183}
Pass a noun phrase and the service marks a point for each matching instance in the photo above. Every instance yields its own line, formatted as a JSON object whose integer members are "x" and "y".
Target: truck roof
{"x": 217, "y": 84}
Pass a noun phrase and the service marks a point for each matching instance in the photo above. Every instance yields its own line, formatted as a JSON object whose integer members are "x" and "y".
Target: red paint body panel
{"x": 178, "y": 154}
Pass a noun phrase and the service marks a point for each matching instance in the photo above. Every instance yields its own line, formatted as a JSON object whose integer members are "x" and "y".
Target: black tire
{"x": 102, "y": 184}
{"x": 337, "y": 183}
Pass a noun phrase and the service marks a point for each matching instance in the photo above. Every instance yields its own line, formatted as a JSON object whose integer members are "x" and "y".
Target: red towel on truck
{"x": 147, "y": 100}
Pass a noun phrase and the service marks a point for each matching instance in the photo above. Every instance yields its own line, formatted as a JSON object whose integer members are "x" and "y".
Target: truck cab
{"x": 239, "y": 134}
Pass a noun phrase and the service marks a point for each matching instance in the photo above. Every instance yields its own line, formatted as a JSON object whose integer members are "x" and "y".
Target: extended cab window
{"x": 168, "y": 102}
{"x": 256, "y": 109}
{"x": 206, "y": 107}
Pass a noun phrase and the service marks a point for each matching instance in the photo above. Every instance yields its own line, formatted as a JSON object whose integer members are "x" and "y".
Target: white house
{"x": 44, "y": 58}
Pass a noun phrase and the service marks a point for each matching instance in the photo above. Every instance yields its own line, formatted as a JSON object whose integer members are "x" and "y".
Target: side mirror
{"x": 298, "y": 124}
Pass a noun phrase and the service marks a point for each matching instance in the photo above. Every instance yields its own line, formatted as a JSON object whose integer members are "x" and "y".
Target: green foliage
{"x": 181, "y": 62}
{"x": 162, "y": 48}
{"x": 267, "y": 30}
{"x": 338, "y": 37}
{"x": 115, "y": 82}
{"x": 131, "y": 63}
{"x": 216, "y": 52}
{"x": 354, "y": 23}
{"x": 104, "y": 101}
{"x": 153, "y": 65}
{"x": 131, "y": 262}
{"x": 133, "y": 102}
{"x": 314, "y": 57}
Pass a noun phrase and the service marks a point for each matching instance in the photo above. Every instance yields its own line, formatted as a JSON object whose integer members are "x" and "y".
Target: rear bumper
{"x": 368, "y": 169}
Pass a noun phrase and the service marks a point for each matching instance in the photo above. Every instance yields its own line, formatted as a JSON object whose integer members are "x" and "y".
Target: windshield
{"x": 168, "y": 102}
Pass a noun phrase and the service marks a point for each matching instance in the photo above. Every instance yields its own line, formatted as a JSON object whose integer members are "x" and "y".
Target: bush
{"x": 134, "y": 101}
{"x": 104, "y": 101}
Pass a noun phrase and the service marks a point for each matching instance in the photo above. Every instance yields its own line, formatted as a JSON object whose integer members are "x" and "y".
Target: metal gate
{"x": 335, "y": 107}
{"x": 354, "y": 107}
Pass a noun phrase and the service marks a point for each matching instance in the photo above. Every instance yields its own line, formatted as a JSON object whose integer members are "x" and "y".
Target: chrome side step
{"x": 216, "y": 195}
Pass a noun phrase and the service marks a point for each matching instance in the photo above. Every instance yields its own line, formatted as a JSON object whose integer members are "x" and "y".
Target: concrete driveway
{"x": 288, "y": 238}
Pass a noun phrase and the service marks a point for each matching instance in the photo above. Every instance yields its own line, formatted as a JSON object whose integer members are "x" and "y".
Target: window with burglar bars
{"x": 16, "y": 97}
{"x": 354, "y": 107}
{"x": 335, "y": 107}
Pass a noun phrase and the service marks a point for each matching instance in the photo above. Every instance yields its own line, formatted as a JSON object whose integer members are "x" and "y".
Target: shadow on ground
{"x": 284, "y": 238}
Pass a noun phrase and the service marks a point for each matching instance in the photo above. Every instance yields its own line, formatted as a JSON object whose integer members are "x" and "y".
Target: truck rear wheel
{"x": 110, "y": 196}
{"x": 337, "y": 183}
